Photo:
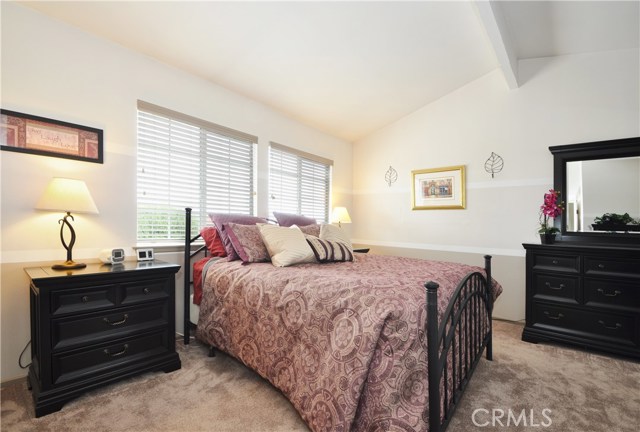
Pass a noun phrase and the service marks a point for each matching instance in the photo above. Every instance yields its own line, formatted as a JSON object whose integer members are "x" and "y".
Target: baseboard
{"x": 12, "y": 381}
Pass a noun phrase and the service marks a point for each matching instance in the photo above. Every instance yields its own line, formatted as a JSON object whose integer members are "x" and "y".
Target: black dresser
{"x": 588, "y": 295}
{"x": 93, "y": 326}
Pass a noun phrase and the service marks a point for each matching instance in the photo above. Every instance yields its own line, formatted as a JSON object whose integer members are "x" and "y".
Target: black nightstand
{"x": 97, "y": 325}
{"x": 362, "y": 250}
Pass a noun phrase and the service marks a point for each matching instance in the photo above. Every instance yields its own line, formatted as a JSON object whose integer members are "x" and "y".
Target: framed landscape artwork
{"x": 26, "y": 133}
{"x": 438, "y": 188}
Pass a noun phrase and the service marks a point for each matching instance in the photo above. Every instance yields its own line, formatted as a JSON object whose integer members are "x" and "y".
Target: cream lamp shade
{"x": 68, "y": 195}
{"x": 340, "y": 215}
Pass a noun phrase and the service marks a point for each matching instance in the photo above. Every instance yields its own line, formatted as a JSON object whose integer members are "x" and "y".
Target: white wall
{"x": 562, "y": 100}
{"x": 56, "y": 71}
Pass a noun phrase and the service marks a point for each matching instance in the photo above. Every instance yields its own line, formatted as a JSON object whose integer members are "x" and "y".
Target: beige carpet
{"x": 583, "y": 391}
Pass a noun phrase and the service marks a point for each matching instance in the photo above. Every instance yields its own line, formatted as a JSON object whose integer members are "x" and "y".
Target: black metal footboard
{"x": 455, "y": 345}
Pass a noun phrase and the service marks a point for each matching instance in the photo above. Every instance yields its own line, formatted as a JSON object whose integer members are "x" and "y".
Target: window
{"x": 187, "y": 162}
{"x": 299, "y": 182}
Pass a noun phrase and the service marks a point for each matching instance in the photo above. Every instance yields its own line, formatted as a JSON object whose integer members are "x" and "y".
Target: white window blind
{"x": 187, "y": 162}
{"x": 299, "y": 182}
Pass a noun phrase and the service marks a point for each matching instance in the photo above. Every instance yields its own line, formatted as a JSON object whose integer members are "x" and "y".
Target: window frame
{"x": 242, "y": 154}
{"x": 310, "y": 160}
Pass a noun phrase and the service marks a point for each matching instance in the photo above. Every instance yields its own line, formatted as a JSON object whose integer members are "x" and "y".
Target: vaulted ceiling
{"x": 350, "y": 68}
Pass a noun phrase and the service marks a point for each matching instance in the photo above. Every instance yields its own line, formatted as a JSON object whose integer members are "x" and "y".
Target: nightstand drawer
{"x": 558, "y": 288}
{"x": 145, "y": 291}
{"x": 609, "y": 266}
{"x": 564, "y": 263}
{"x": 82, "y": 299}
{"x": 83, "y": 364}
{"x": 608, "y": 294}
{"x": 621, "y": 327}
{"x": 98, "y": 327}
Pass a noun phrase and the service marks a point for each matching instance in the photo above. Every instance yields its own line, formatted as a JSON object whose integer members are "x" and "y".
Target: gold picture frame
{"x": 438, "y": 188}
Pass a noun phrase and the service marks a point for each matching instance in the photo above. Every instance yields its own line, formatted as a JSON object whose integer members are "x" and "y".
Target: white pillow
{"x": 286, "y": 246}
{"x": 334, "y": 233}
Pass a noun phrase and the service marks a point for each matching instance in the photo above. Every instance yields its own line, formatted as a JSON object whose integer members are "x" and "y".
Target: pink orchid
{"x": 550, "y": 208}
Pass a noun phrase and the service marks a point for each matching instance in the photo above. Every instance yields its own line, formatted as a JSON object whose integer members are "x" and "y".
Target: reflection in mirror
{"x": 604, "y": 186}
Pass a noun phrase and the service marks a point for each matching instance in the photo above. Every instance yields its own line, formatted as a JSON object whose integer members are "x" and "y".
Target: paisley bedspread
{"x": 344, "y": 342}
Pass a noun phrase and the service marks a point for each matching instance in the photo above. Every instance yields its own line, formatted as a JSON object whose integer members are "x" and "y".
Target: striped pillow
{"x": 329, "y": 250}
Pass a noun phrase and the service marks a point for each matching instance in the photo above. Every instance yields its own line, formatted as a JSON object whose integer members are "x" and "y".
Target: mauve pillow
{"x": 213, "y": 241}
{"x": 247, "y": 242}
{"x": 219, "y": 219}
{"x": 289, "y": 219}
{"x": 312, "y": 230}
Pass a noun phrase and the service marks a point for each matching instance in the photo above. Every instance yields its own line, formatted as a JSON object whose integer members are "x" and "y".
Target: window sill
{"x": 160, "y": 247}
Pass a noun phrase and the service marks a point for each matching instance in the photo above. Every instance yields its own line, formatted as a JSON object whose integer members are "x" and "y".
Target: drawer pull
{"x": 116, "y": 354}
{"x": 85, "y": 299}
{"x": 616, "y": 327}
{"x": 557, "y": 317}
{"x": 600, "y": 266}
{"x": 146, "y": 291}
{"x": 115, "y": 323}
{"x": 554, "y": 262}
{"x": 614, "y": 294}
{"x": 558, "y": 288}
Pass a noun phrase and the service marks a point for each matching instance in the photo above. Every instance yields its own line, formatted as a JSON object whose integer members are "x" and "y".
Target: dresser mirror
{"x": 600, "y": 185}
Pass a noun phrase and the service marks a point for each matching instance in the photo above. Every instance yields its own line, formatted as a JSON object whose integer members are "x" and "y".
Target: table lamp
{"x": 67, "y": 195}
{"x": 340, "y": 215}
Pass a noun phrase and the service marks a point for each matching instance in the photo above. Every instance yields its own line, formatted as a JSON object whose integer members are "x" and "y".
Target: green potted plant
{"x": 615, "y": 222}
{"x": 550, "y": 209}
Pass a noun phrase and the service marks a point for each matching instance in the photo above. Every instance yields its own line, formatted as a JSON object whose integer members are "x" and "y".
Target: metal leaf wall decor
{"x": 391, "y": 176}
{"x": 494, "y": 164}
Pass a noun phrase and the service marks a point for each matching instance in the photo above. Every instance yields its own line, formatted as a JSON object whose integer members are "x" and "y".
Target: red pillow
{"x": 213, "y": 241}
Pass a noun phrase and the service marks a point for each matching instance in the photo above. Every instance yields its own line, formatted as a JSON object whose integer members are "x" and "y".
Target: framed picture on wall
{"x": 25, "y": 133}
{"x": 438, "y": 188}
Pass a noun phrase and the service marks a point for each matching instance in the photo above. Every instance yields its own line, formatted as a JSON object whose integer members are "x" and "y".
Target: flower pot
{"x": 548, "y": 238}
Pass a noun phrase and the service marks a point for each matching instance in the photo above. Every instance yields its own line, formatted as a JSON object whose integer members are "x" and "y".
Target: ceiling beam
{"x": 492, "y": 18}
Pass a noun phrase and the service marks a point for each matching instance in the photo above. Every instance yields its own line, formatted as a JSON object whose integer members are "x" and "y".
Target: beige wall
{"x": 562, "y": 100}
{"x": 53, "y": 70}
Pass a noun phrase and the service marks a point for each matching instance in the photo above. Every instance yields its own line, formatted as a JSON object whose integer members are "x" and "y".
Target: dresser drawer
{"x": 98, "y": 327}
{"x": 87, "y": 363}
{"x": 611, "y": 266}
{"x": 557, "y": 288}
{"x": 82, "y": 299}
{"x": 616, "y": 328}
{"x": 612, "y": 294}
{"x": 553, "y": 262}
{"x": 144, "y": 291}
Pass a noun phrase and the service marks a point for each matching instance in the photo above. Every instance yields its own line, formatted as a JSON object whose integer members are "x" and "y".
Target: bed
{"x": 378, "y": 343}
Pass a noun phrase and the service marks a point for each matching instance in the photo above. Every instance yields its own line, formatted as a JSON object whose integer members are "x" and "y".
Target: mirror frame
{"x": 619, "y": 148}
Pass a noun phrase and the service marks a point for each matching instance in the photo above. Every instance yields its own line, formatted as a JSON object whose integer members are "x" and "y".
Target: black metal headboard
{"x": 188, "y": 254}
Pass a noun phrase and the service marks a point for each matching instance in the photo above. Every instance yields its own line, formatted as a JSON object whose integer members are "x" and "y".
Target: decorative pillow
{"x": 286, "y": 246}
{"x": 247, "y": 242}
{"x": 289, "y": 219}
{"x": 334, "y": 233}
{"x": 312, "y": 230}
{"x": 329, "y": 250}
{"x": 212, "y": 240}
{"x": 219, "y": 219}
